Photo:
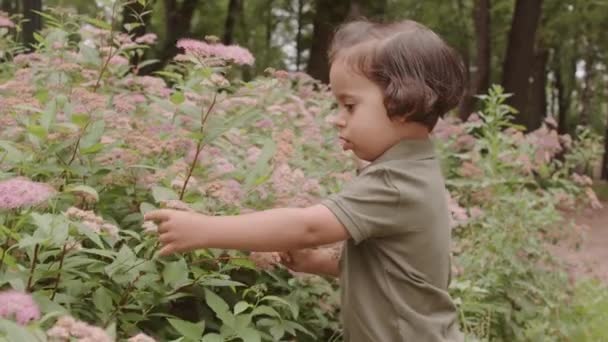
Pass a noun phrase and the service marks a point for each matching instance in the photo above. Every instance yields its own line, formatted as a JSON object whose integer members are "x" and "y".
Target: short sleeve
{"x": 368, "y": 206}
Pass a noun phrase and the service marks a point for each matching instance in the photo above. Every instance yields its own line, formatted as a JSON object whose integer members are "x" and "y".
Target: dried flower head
{"x": 67, "y": 328}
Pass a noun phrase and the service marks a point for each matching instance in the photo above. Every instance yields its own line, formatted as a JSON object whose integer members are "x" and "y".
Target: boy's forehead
{"x": 344, "y": 81}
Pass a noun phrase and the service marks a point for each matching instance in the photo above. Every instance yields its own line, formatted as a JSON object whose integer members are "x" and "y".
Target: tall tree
{"x": 480, "y": 83}
{"x": 178, "y": 17}
{"x": 235, "y": 10}
{"x": 8, "y": 6}
{"x": 33, "y": 21}
{"x": 520, "y": 51}
{"x": 537, "y": 98}
{"x": 329, "y": 14}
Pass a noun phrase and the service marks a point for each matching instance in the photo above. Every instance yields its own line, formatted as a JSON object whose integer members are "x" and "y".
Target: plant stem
{"x": 104, "y": 66}
{"x": 123, "y": 300}
{"x": 199, "y": 146}
{"x": 59, "y": 271}
{"x": 33, "y": 268}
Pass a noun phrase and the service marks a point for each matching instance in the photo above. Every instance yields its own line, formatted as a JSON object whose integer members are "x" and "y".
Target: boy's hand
{"x": 179, "y": 231}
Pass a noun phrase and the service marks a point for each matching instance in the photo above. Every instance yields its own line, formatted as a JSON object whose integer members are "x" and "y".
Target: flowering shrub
{"x": 87, "y": 147}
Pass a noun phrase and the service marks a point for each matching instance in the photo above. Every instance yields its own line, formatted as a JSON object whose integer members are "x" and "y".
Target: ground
{"x": 586, "y": 254}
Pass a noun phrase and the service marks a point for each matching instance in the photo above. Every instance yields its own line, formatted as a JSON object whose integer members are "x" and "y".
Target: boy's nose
{"x": 340, "y": 119}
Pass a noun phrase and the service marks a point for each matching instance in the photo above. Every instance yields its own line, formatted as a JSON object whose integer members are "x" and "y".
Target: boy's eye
{"x": 349, "y": 107}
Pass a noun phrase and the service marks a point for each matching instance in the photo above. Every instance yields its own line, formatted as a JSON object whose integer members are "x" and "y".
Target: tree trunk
{"x": 235, "y": 8}
{"x": 8, "y": 7}
{"x": 520, "y": 51}
{"x": 133, "y": 13}
{"x": 561, "y": 102}
{"x": 371, "y": 9}
{"x": 299, "y": 34}
{"x": 33, "y": 21}
{"x": 587, "y": 91}
{"x": 481, "y": 80}
{"x": 328, "y": 16}
{"x": 605, "y": 157}
{"x": 177, "y": 25}
{"x": 537, "y": 101}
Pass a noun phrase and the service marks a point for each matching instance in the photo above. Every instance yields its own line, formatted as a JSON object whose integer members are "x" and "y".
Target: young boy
{"x": 392, "y": 83}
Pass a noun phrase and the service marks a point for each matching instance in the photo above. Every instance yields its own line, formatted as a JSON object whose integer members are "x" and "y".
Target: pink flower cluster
{"x": 5, "y": 21}
{"x": 67, "y": 328}
{"x": 92, "y": 221}
{"x": 18, "y": 306}
{"x": 21, "y": 192}
{"x": 148, "y": 38}
{"x": 202, "y": 50}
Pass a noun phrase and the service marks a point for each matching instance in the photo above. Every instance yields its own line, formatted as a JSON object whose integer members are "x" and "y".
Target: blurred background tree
{"x": 550, "y": 54}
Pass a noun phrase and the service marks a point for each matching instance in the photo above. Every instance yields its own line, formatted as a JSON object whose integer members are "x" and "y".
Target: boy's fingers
{"x": 285, "y": 257}
{"x": 167, "y": 250}
{"x": 157, "y": 215}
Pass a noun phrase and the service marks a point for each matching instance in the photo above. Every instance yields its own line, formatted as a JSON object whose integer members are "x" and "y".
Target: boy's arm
{"x": 270, "y": 230}
{"x": 322, "y": 261}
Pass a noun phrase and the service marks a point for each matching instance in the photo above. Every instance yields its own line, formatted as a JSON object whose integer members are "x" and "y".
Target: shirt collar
{"x": 406, "y": 149}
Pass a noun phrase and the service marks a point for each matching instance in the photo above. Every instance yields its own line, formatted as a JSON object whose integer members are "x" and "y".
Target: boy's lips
{"x": 345, "y": 143}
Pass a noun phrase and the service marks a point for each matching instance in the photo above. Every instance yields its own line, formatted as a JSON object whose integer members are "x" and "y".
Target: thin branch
{"x": 199, "y": 147}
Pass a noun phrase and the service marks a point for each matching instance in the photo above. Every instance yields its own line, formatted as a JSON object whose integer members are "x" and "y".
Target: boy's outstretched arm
{"x": 265, "y": 231}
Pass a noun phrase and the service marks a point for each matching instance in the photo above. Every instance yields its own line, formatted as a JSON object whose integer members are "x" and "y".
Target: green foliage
{"x": 115, "y": 145}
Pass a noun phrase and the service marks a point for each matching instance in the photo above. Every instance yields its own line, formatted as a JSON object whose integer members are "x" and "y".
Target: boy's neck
{"x": 412, "y": 131}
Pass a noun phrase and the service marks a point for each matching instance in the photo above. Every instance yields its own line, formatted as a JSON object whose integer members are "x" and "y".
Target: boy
{"x": 392, "y": 83}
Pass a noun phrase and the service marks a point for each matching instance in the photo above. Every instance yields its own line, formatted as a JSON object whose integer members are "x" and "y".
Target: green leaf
{"x": 162, "y": 194}
{"x": 80, "y": 119}
{"x": 37, "y": 130}
{"x": 190, "y": 330}
{"x": 94, "y": 133}
{"x": 99, "y": 23}
{"x": 92, "y": 149}
{"x": 293, "y": 308}
{"x": 89, "y": 233}
{"x": 145, "y": 207}
{"x": 83, "y": 188}
{"x": 262, "y": 165}
{"x": 176, "y": 274}
{"x": 249, "y": 335}
{"x": 103, "y": 301}
{"x": 220, "y": 307}
{"x": 15, "y": 332}
{"x": 215, "y": 302}
{"x": 213, "y": 337}
{"x": 177, "y": 98}
{"x": 240, "y": 307}
{"x": 265, "y": 310}
{"x": 12, "y": 154}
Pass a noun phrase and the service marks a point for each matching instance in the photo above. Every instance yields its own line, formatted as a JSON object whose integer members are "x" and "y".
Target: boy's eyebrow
{"x": 345, "y": 96}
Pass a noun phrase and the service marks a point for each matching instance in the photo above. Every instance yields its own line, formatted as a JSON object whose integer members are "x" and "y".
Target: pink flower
{"x": 67, "y": 327}
{"x": 253, "y": 153}
{"x": 18, "y": 305}
{"x": 199, "y": 49}
{"x": 141, "y": 337}
{"x": 148, "y": 38}
{"x": 228, "y": 191}
{"x": 21, "y": 192}
{"x": 5, "y": 21}
{"x": 118, "y": 60}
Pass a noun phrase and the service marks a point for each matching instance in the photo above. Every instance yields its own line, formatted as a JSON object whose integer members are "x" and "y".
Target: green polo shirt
{"x": 395, "y": 269}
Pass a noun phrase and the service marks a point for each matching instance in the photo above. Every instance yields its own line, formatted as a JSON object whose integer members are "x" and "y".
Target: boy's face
{"x": 364, "y": 127}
